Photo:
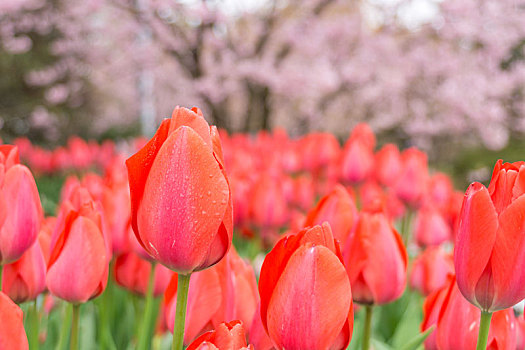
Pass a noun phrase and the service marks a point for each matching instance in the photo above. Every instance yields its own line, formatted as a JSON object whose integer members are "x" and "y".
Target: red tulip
{"x": 357, "y": 159}
{"x": 78, "y": 265}
{"x": 431, "y": 309}
{"x": 239, "y": 290}
{"x": 430, "y": 270}
{"x": 387, "y": 165}
{"x": 338, "y": 209}
{"x": 115, "y": 201}
{"x": 490, "y": 243}
{"x": 307, "y": 266}
{"x": 25, "y": 279}
{"x": 431, "y": 227}
{"x": 440, "y": 189}
{"x": 180, "y": 197}
{"x": 268, "y": 207}
{"x": 12, "y": 333}
{"x": 412, "y": 180}
{"x": 458, "y": 325}
{"x": 44, "y": 236}
{"x": 20, "y": 208}
{"x": 204, "y": 300}
{"x": 133, "y": 273}
{"x": 376, "y": 260}
{"x": 226, "y": 336}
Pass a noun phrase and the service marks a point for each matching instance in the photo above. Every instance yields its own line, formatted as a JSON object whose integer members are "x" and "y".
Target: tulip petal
{"x": 139, "y": 166}
{"x": 315, "y": 274}
{"x": 508, "y": 256}
{"x": 475, "y": 238}
{"x": 185, "y": 200}
{"x": 191, "y": 118}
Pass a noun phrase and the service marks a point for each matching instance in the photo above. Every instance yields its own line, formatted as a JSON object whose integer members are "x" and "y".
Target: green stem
{"x": 64, "y": 330}
{"x": 147, "y": 321}
{"x": 34, "y": 326}
{"x": 484, "y": 326}
{"x": 405, "y": 226}
{"x": 74, "y": 328}
{"x": 368, "y": 328}
{"x": 180, "y": 315}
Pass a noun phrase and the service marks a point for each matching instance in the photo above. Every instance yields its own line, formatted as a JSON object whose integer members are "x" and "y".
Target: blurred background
{"x": 446, "y": 76}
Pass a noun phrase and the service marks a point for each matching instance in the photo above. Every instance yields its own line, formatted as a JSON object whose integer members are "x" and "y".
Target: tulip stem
{"x": 183, "y": 284}
{"x": 73, "y": 345}
{"x": 367, "y": 331}
{"x": 484, "y": 326}
{"x": 33, "y": 324}
{"x": 406, "y": 226}
{"x": 146, "y": 327}
{"x": 64, "y": 330}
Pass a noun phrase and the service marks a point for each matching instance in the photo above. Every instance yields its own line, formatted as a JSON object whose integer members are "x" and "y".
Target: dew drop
{"x": 209, "y": 193}
{"x": 204, "y": 212}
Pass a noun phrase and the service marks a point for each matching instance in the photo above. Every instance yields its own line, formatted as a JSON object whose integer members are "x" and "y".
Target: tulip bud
{"x": 306, "y": 266}
{"x": 181, "y": 209}
{"x": 357, "y": 159}
{"x": 227, "y": 336}
{"x": 430, "y": 270}
{"x": 490, "y": 250}
{"x": 387, "y": 164}
{"x": 376, "y": 260}
{"x": 338, "y": 209}
{"x": 458, "y": 324}
{"x": 412, "y": 180}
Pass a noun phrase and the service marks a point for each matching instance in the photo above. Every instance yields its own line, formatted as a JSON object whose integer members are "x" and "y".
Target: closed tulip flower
{"x": 431, "y": 227}
{"x": 376, "y": 260}
{"x": 306, "y": 267}
{"x": 357, "y": 159}
{"x": 430, "y": 270}
{"x": 387, "y": 164}
{"x": 12, "y": 333}
{"x": 490, "y": 246}
{"x": 226, "y": 336}
{"x": 431, "y": 309}
{"x": 338, "y": 209}
{"x": 459, "y": 321}
{"x": 25, "y": 279}
{"x": 411, "y": 184}
{"x": 20, "y": 208}
{"x": 78, "y": 264}
{"x": 181, "y": 209}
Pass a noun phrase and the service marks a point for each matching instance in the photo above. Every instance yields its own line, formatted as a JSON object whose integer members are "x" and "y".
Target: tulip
{"x": 459, "y": 322}
{"x": 132, "y": 273}
{"x": 226, "y": 336}
{"x": 387, "y": 165}
{"x": 180, "y": 196}
{"x": 357, "y": 159}
{"x": 78, "y": 249}
{"x": 12, "y": 333}
{"x": 239, "y": 290}
{"x": 306, "y": 266}
{"x": 430, "y": 270}
{"x": 440, "y": 189}
{"x": 520, "y": 342}
{"x": 115, "y": 201}
{"x": 490, "y": 249}
{"x": 44, "y": 236}
{"x": 431, "y": 227}
{"x": 412, "y": 180}
{"x": 376, "y": 260}
{"x": 181, "y": 206}
{"x": 25, "y": 279}
{"x": 431, "y": 309}
{"x": 338, "y": 209}
{"x": 20, "y": 208}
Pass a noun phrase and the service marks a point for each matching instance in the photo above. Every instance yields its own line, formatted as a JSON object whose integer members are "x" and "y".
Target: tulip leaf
{"x": 379, "y": 345}
{"x": 418, "y": 340}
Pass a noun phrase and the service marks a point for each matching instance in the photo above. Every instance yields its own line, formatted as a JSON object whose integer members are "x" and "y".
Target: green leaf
{"x": 418, "y": 340}
{"x": 379, "y": 345}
